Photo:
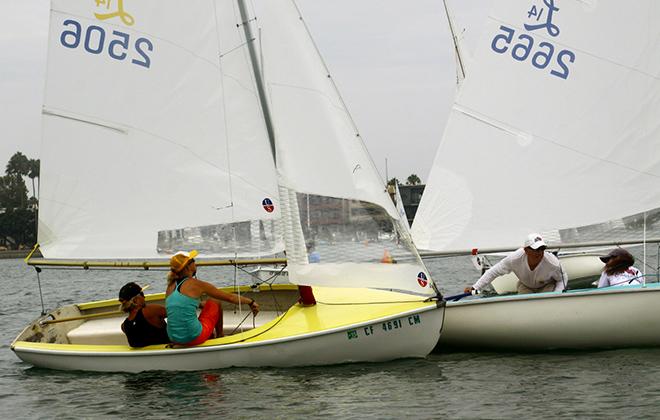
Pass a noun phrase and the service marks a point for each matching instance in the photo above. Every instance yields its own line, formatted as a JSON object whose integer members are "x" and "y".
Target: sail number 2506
{"x": 542, "y": 57}
{"x": 119, "y": 45}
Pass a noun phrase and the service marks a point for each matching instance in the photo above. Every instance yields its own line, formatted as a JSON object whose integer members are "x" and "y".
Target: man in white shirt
{"x": 537, "y": 271}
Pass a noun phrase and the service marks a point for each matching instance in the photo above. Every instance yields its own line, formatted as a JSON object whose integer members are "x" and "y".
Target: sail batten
{"x": 82, "y": 119}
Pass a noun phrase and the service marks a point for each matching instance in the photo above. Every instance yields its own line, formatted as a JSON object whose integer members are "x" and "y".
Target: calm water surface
{"x": 610, "y": 384}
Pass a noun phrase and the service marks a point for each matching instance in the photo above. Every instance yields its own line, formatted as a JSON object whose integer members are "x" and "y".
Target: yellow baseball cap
{"x": 179, "y": 260}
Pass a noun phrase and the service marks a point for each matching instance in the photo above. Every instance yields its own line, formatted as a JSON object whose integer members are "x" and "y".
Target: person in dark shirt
{"x": 145, "y": 324}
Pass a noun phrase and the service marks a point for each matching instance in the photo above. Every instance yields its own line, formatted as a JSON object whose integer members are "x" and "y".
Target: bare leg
{"x": 218, "y": 325}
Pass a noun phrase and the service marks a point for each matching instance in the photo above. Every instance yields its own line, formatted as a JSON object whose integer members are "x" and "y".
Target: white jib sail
{"x": 556, "y": 126}
{"x": 152, "y": 132}
{"x": 347, "y": 217}
{"x": 400, "y": 207}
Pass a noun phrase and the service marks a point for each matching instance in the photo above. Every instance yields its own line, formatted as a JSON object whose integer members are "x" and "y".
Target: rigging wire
{"x": 269, "y": 281}
{"x": 238, "y": 289}
{"x": 241, "y": 323}
{"x": 41, "y": 296}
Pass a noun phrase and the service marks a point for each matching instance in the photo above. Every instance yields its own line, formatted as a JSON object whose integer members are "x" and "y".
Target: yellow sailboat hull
{"x": 346, "y": 325}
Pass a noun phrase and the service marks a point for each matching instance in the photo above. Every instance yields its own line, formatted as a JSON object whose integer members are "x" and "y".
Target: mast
{"x": 386, "y": 174}
{"x": 460, "y": 69}
{"x": 245, "y": 21}
{"x": 289, "y": 204}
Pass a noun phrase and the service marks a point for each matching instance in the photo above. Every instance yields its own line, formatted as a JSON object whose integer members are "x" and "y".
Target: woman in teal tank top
{"x": 183, "y": 293}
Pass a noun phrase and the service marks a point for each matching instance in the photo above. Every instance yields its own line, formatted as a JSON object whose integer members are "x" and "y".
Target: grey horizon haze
{"x": 392, "y": 60}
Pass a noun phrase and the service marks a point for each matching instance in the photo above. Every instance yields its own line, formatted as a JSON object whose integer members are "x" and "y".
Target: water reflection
{"x": 194, "y": 392}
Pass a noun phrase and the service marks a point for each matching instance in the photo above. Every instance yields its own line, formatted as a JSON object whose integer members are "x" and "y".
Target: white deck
{"x": 107, "y": 331}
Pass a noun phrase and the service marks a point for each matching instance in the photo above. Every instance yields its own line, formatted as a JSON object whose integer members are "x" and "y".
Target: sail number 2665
{"x": 119, "y": 45}
{"x": 544, "y": 53}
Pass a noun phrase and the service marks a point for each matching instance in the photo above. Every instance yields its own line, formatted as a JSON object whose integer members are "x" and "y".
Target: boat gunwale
{"x": 653, "y": 287}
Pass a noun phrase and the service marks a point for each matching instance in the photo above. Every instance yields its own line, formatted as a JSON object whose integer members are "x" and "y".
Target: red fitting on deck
{"x": 306, "y": 296}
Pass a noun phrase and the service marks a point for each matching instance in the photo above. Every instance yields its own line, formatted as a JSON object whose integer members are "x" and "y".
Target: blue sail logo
{"x": 422, "y": 279}
{"x": 268, "y": 205}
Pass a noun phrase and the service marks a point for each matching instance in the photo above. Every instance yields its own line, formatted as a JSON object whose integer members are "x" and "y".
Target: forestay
{"x": 153, "y": 137}
{"x": 336, "y": 198}
{"x": 555, "y": 127}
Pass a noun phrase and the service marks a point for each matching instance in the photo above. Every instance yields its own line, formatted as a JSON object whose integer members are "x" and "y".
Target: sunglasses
{"x": 126, "y": 300}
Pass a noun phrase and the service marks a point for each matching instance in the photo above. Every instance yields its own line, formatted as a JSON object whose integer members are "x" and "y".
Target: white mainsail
{"x": 141, "y": 144}
{"x": 555, "y": 126}
{"x": 156, "y": 140}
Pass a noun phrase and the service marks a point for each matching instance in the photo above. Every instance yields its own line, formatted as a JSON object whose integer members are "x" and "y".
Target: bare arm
{"x": 562, "y": 282}
{"x": 214, "y": 292}
{"x": 155, "y": 314}
{"x": 501, "y": 268}
{"x": 170, "y": 288}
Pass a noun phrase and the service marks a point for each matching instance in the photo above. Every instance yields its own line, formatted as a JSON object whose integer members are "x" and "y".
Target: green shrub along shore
{"x": 18, "y": 209}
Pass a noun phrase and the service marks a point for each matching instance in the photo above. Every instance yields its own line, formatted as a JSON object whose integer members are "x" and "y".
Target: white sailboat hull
{"x": 378, "y": 326}
{"x": 603, "y": 318}
{"x": 373, "y": 344}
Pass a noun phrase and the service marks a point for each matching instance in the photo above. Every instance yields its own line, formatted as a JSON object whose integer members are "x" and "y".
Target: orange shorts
{"x": 208, "y": 318}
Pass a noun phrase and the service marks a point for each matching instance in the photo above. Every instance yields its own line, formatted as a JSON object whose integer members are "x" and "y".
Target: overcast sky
{"x": 392, "y": 60}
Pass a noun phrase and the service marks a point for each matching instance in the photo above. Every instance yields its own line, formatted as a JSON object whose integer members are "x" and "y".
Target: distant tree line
{"x": 18, "y": 210}
{"x": 411, "y": 180}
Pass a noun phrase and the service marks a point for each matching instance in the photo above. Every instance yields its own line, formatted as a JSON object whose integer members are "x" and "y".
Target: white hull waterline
{"x": 614, "y": 317}
{"x": 301, "y": 336}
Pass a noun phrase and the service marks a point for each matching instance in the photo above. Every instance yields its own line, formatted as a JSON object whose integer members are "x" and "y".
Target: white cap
{"x": 534, "y": 241}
